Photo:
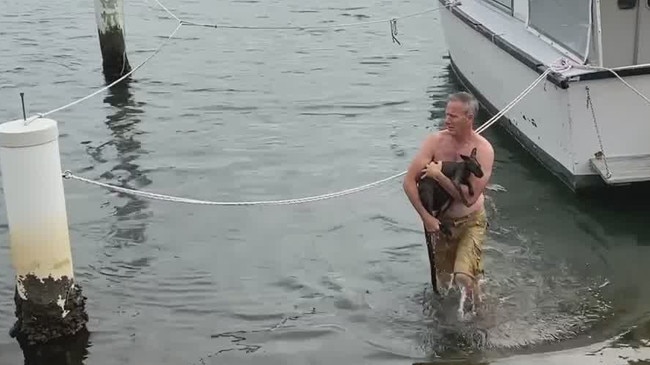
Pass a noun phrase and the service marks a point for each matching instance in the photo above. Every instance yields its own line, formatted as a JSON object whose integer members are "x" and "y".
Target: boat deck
{"x": 623, "y": 169}
{"x": 514, "y": 31}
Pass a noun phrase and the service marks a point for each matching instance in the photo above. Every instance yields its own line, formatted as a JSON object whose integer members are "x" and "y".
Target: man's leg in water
{"x": 445, "y": 257}
{"x": 468, "y": 264}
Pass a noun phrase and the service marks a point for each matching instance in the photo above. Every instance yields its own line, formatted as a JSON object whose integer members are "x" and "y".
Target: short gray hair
{"x": 471, "y": 104}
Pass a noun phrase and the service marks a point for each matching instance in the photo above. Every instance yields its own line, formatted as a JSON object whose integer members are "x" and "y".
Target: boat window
{"x": 564, "y": 22}
{"x": 627, "y": 4}
{"x": 503, "y": 4}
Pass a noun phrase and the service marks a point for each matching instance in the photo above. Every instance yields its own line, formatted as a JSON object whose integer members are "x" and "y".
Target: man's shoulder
{"x": 485, "y": 147}
{"x": 484, "y": 143}
{"x": 440, "y": 135}
{"x": 435, "y": 137}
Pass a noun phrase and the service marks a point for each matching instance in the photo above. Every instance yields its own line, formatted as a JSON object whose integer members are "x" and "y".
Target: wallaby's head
{"x": 471, "y": 164}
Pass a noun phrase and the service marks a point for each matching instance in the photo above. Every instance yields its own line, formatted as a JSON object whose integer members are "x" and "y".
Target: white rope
{"x": 69, "y": 175}
{"x": 182, "y": 22}
{"x": 561, "y": 65}
{"x": 345, "y": 25}
{"x": 331, "y": 26}
{"x": 169, "y": 12}
{"x": 519, "y": 97}
{"x": 619, "y": 77}
{"x": 41, "y": 115}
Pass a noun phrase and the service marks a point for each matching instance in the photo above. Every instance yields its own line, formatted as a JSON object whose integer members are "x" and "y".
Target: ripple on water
{"x": 294, "y": 284}
{"x": 527, "y": 304}
{"x": 391, "y": 224}
{"x": 273, "y": 340}
{"x": 404, "y": 253}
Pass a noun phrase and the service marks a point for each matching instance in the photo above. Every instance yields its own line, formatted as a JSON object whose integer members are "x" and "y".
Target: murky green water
{"x": 235, "y": 115}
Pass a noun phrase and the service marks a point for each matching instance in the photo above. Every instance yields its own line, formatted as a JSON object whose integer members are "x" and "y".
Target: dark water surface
{"x": 237, "y": 115}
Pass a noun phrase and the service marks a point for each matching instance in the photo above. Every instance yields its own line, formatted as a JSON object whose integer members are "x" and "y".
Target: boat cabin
{"x": 608, "y": 33}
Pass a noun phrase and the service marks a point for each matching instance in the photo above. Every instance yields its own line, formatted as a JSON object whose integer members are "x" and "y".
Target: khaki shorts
{"x": 462, "y": 251}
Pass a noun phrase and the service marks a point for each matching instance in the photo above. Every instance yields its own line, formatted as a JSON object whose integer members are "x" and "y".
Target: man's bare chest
{"x": 450, "y": 152}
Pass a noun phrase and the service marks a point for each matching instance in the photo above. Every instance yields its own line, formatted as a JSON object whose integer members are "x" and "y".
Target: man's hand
{"x": 431, "y": 223}
{"x": 432, "y": 170}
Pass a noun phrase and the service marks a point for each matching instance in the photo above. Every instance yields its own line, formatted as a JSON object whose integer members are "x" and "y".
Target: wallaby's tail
{"x": 432, "y": 260}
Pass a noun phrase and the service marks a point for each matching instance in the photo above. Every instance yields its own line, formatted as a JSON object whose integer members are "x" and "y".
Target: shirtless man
{"x": 458, "y": 256}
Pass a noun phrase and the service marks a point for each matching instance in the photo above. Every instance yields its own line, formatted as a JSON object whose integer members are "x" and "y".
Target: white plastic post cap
{"x": 17, "y": 134}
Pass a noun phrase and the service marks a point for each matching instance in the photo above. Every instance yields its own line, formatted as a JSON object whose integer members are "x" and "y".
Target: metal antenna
{"x": 22, "y": 99}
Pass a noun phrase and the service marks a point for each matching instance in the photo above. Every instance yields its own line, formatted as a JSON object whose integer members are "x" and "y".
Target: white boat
{"x": 498, "y": 48}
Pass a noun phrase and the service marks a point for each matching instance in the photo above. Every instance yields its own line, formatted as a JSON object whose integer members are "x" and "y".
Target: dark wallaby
{"x": 436, "y": 199}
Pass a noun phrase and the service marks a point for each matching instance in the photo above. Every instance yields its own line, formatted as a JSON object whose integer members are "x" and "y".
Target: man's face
{"x": 457, "y": 119}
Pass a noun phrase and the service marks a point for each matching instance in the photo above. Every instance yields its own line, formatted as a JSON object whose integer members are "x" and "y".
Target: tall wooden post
{"x": 110, "y": 26}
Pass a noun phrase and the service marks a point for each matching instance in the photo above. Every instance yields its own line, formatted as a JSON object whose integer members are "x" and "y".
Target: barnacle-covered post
{"x": 49, "y": 304}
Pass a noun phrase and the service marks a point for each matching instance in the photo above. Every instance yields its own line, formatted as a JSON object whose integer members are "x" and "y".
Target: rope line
{"x": 69, "y": 175}
{"x": 41, "y": 115}
{"x": 344, "y": 25}
{"x": 619, "y": 77}
{"x": 560, "y": 65}
{"x": 510, "y": 105}
{"x": 183, "y": 22}
{"x": 169, "y": 12}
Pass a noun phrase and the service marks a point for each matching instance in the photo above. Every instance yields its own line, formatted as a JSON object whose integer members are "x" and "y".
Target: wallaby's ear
{"x": 464, "y": 157}
{"x": 473, "y": 154}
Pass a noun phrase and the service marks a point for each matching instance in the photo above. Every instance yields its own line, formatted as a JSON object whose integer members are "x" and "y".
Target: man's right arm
{"x": 421, "y": 159}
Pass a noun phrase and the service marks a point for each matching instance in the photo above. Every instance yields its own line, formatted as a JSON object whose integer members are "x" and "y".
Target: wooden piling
{"x": 109, "y": 15}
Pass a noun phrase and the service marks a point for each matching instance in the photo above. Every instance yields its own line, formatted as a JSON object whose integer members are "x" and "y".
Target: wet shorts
{"x": 461, "y": 251}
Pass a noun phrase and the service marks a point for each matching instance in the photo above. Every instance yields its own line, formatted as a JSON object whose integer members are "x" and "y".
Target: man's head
{"x": 461, "y": 110}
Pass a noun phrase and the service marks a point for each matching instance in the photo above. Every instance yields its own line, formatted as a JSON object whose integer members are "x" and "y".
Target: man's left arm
{"x": 485, "y": 157}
